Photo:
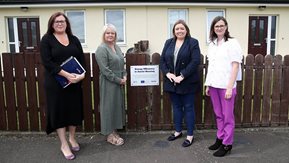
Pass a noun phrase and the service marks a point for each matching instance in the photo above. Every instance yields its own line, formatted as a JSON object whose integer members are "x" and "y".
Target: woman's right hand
{"x": 123, "y": 81}
{"x": 207, "y": 91}
{"x": 171, "y": 76}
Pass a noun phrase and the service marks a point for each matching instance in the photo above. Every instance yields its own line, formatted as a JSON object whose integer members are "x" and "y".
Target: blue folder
{"x": 70, "y": 65}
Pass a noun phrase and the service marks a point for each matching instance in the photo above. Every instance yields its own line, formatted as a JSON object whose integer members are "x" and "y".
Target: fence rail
{"x": 262, "y": 99}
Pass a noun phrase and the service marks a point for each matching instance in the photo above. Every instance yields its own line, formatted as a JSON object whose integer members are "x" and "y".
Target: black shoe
{"x": 187, "y": 143}
{"x": 217, "y": 144}
{"x": 223, "y": 150}
{"x": 173, "y": 137}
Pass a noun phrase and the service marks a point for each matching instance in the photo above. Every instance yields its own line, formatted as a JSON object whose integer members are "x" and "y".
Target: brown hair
{"x": 50, "y": 29}
{"x": 213, "y": 35}
{"x": 184, "y": 24}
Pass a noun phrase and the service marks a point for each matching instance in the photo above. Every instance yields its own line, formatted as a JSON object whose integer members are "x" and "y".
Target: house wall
{"x": 150, "y": 23}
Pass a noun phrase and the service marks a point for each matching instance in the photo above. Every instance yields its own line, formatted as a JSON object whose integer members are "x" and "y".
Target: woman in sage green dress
{"x": 111, "y": 85}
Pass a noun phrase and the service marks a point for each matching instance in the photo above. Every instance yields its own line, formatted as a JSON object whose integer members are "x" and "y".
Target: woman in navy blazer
{"x": 179, "y": 63}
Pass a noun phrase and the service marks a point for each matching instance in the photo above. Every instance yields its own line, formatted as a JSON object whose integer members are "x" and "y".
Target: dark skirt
{"x": 64, "y": 105}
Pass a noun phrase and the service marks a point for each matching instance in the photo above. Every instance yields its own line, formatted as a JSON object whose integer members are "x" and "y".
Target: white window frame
{"x": 209, "y": 21}
{"x": 124, "y": 27}
{"x": 269, "y": 35}
{"x": 16, "y": 40}
{"x": 84, "y": 24}
{"x": 172, "y": 22}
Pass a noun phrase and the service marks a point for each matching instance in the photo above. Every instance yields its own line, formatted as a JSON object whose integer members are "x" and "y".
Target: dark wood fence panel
{"x": 267, "y": 90}
{"x": 262, "y": 96}
{"x": 87, "y": 96}
{"x": 285, "y": 93}
{"x": 156, "y": 99}
{"x": 167, "y": 111}
{"x": 95, "y": 80}
{"x": 248, "y": 74}
{"x": 258, "y": 78}
{"x": 199, "y": 98}
{"x": 31, "y": 90}
{"x": 41, "y": 92}
{"x": 20, "y": 91}
{"x": 277, "y": 72}
{"x": 238, "y": 104}
{"x": 136, "y": 96}
{"x": 9, "y": 91}
{"x": 3, "y": 124}
{"x": 209, "y": 118}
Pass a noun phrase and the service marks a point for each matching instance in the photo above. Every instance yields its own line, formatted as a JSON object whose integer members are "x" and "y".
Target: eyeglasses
{"x": 219, "y": 26}
{"x": 60, "y": 22}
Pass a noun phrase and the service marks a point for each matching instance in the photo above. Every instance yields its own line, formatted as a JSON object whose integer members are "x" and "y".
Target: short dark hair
{"x": 213, "y": 35}
{"x": 183, "y": 23}
{"x": 50, "y": 29}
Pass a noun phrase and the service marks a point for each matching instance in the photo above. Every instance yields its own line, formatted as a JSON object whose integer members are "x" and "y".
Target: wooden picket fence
{"x": 262, "y": 100}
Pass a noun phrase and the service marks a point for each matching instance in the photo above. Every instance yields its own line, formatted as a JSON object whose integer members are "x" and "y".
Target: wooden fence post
{"x": 3, "y": 124}
{"x": 9, "y": 91}
{"x": 258, "y": 83}
{"x": 156, "y": 97}
{"x": 277, "y": 74}
{"x": 285, "y": 93}
{"x": 267, "y": 90}
{"x": 19, "y": 66}
{"x": 87, "y": 96}
{"x": 41, "y": 91}
{"x": 248, "y": 86}
{"x": 136, "y": 96}
{"x": 95, "y": 71}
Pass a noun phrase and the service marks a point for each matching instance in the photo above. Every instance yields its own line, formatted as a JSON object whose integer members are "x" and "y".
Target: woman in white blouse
{"x": 225, "y": 57}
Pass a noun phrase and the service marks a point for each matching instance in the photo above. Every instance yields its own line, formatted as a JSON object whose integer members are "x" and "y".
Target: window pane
{"x": 11, "y": 30}
{"x": 210, "y": 16}
{"x": 253, "y": 31}
{"x": 12, "y": 48}
{"x": 34, "y": 34}
{"x": 273, "y": 27}
{"x": 116, "y": 17}
{"x": 272, "y": 48}
{"x": 76, "y": 19}
{"x": 174, "y": 15}
{"x": 261, "y": 30}
{"x": 25, "y": 33}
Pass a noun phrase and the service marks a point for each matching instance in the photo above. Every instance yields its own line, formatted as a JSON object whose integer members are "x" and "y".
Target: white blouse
{"x": 220, "y": 63}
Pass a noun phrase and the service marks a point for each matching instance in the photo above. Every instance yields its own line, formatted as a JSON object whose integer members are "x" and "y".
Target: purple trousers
{"x": 224, "y": 113}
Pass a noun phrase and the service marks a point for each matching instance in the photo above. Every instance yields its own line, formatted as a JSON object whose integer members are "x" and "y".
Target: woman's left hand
{"x": 77, "y": 78}
{"x": 178, "y": 79}
{"x": 228, "y": 93}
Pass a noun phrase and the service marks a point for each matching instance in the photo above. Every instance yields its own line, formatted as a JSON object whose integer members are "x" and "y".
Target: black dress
{"x": 64, "y": 105}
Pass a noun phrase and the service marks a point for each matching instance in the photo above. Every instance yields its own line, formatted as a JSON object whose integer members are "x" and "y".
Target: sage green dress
{"x": 111, "y": 66}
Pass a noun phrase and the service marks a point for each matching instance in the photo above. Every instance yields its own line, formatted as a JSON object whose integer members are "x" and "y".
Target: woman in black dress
{"x": 64, "y": 105}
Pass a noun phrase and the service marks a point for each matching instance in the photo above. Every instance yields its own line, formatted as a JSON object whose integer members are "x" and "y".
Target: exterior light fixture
{"x": 262, "y": 8}
{"x": 24, "y": 9}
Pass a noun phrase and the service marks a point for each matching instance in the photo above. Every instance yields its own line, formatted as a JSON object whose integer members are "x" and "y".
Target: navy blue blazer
{"x": 187, "y": 64}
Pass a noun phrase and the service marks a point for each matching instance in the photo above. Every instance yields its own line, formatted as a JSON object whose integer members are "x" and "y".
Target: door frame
{"x": 17, "y": 33}
{"x": 30, "y": 46}
{"x": 269, "y": 39}
{"x": 257, "y": 41}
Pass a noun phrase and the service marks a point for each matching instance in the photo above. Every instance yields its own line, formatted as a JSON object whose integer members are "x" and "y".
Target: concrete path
{"x": 264, "y": 145}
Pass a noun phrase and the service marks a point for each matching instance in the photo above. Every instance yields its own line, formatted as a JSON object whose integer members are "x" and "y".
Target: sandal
{"x": 115, "y": 135}
{"x": 115, "y": 140}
